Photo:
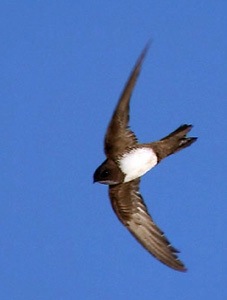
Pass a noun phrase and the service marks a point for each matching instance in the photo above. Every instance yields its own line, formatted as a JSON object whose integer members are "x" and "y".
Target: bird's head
{"x": 108, "y": 173}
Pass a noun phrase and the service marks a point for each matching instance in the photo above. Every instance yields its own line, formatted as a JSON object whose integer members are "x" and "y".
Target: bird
{"x": 126, "y": 161}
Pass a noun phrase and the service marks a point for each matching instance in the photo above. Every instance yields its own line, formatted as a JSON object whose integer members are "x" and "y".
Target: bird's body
{"x": 137, "y": 162}
{"x": 126, "y": 161}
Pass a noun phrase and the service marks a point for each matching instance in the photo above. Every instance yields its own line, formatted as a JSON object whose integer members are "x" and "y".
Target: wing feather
{"x": 119, "y": 137}
{"x": 131, "y": 210}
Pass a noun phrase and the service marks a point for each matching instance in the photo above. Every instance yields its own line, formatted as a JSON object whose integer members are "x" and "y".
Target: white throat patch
{"x": 137, "y": 162}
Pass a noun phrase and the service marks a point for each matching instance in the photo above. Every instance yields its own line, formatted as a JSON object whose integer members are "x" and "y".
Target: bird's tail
{"x": 174, "y": 142}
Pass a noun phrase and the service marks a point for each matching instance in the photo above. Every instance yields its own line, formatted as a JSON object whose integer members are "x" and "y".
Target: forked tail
{"x": 174, "y": 142}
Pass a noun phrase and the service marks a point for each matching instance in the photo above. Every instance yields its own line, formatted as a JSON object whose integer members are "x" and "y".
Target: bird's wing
{"x": 131, "y": 210}
{"x": 119, "y": 137}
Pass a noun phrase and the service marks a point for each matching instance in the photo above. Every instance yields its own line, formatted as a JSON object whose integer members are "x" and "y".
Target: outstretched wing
{"x": 119, "y": 136}
{"x": 132, "y": 212}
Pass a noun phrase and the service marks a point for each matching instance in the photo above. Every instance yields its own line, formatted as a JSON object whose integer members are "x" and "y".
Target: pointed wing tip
{"x": 148, "y": 44}
{"x": 144, "y": 52}
{"x": 179, "y": 266}
{"x": 182, "y": 269}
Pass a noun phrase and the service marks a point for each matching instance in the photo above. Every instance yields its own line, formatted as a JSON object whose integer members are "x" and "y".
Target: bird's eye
{"x": 105, "y": 173}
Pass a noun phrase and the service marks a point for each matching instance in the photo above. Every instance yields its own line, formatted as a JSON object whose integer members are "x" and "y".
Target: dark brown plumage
{"x": 131, "y": 210}
{"x": 126, "y": 161}
{"x": 119, "y": 137}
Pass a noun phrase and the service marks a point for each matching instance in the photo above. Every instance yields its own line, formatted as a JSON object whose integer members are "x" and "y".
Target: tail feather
{"x": 185, "y": 142}
{"x": 180, "y": 131}
{"x": 174, "y": 142}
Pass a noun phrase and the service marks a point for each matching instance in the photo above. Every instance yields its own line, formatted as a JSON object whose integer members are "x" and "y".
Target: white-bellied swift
{"x": 126, "y": 161}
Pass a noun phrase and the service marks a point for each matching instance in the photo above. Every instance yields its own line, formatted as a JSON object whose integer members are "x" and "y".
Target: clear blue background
{"x": 63, "y": 66}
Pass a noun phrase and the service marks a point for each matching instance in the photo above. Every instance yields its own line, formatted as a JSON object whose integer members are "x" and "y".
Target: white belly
{"x": 137, "y": 162}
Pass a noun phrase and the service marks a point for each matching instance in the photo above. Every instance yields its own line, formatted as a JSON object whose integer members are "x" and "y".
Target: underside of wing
{"x": 119, "y": 137}
{"x": 131, "y": 210}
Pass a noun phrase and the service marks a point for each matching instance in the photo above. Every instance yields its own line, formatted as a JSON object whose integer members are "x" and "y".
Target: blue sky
{"x": 63, "y": 67}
